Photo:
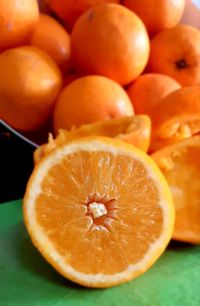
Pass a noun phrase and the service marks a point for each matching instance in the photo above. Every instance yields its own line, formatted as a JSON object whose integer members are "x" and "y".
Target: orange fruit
{"x": 160, "y": 15}
{"x": 176, "y": 117}
{"x": 112, "y": 41}
{"x": 30, "y": 81}
{"x": 175, "y": 52}
{"x": 180, "y": 164}
{"x": 51, "y": 37}
{"x": 149, "y": 89}
{"x": 90, "y": 99}
{"x": 17, "y": 21}
{"x": 69, "y": 11}
{"x": 135, "y": 130}
{"x": 99, "y": 210}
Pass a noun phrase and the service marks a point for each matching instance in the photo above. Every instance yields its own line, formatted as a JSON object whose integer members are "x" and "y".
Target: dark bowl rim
{"x": 18, "y": 134}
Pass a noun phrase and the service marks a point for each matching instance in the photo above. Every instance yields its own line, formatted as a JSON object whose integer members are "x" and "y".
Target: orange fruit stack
{"x": 102, "y": 72}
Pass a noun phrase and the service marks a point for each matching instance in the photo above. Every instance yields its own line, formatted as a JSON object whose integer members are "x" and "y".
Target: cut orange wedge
{"x": 99, "y": 210}
{"x": 135, "y": 130}
{"x": 180, "y": 163}
{"x": 176, "y": 117}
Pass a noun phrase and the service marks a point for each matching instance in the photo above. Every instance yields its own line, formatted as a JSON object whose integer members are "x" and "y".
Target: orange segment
{"x": 135, "y": 130}
{"x": 180, "y": 163}
{"x": 99, "y": 211}
{"x": 176, "y": 117}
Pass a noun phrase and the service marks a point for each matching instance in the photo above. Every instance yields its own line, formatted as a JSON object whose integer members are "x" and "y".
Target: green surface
{"x": 26, "y": 279}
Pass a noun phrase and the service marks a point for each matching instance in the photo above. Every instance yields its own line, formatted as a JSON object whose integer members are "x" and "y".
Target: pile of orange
{"x": 123, "y": 100}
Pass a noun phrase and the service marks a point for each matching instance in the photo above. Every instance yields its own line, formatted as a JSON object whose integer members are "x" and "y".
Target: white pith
{"x": 97, "y": 210}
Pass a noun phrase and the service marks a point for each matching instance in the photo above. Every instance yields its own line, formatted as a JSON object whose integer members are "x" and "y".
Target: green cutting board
{"x": 27, "y": 280}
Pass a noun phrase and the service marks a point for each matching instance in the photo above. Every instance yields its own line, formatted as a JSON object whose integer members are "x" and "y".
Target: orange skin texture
{"x": 88, "y": 100}
{"x": 181, "y": 107}
{"x": 30, "y": 82}
{"x": 112, "y": 41}
{"x": 176, "y": 52}
{"x": 159, "y": 15}
{"x": 52, "y": 38}
{"x": 69, "y": 11}
{"x": 149, "y": 89}
{"x": 17, "y": 21}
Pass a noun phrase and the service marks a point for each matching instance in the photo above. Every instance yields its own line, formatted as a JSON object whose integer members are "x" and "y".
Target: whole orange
{"x": 176, "y": 52}
{"x": 149, "y": 89}
{"x": 90, "y": 99}
{"x": 17, "y": 20}
{"x": 51, "y": 37}
{"x": 112, "y": 41}
{"x": 69, "y": 10}
{"x": 29, "y": 84}
{"x": 157, "y": 15}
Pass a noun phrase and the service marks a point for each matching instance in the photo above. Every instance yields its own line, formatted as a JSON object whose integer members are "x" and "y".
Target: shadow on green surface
{"x": 179, "y": 246}
{"x": 28, "y": 280}
{"x": 31, "y": 260}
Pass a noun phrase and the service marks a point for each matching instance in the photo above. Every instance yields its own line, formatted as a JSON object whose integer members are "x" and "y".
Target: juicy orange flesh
{"x": 174, "y": 130}
{"x": 110, "y": 243}
{"x": 183, "y": 176}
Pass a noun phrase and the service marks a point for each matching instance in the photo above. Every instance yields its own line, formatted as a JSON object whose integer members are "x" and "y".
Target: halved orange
{"x": 135, "y": 130}
{"x": 176, "y": 117}
{"x": 180, "y": 164}
{"x": 99, "y": 210}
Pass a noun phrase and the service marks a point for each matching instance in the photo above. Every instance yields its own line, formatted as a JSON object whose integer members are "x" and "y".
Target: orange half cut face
{"x": 99, "y": 211}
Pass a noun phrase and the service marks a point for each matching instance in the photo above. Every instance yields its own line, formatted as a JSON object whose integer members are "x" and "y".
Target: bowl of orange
{"x": 106, "y": 93}
{"x": 51, "y": 48}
